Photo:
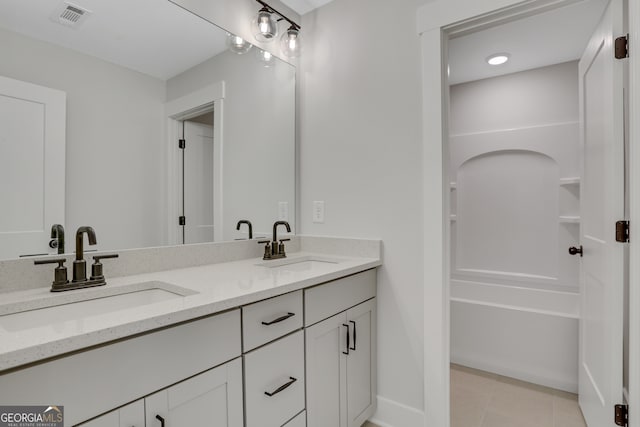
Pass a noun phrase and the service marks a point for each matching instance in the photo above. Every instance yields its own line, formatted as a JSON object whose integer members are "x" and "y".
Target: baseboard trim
{"x": 395, "y": 414}
{"x": 557, "y": 383}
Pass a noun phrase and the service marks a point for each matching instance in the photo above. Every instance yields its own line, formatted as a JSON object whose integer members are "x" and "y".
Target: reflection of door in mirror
{"x": 32, "y": 166}
{"x": 197, "y": 179}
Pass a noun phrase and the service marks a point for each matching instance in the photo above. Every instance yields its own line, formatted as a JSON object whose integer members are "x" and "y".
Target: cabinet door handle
{"x": 348, "y": 339}
{"x": 282, "y": 387}
{"x": 279, "y": 319}
{"x": 159, "y": 418}
{"x": 354, "y": 335}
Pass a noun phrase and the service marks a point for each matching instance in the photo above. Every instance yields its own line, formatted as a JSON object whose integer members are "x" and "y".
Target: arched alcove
{"x": 507, "y": 215}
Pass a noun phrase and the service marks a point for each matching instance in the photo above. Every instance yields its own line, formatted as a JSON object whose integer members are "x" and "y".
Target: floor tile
{"x": 481, "y": 399}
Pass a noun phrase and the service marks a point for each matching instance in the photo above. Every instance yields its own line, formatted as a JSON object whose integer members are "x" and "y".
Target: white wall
{"x": 258, "y": 135}
{"x": 543, "y": 96}
{"x": 115, "y": 168}
{"x": 360, "y": 152}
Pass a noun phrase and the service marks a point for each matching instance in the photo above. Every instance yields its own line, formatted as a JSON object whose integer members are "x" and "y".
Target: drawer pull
{"x": 279, "y": 319}
{"x": 159, "y": 418}
{"x": 348, "y": 339}
{"x": 282, "y": 387}
{"x": 354, "y": 335}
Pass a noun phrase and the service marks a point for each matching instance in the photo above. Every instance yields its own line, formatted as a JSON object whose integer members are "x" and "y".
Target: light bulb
{"x": 265, "y": 26}
{"x": 498, "y": 58}
{"x": 290, "y": 42}
{"x": 266, "y": 58}
{"x": 237, "y": 44}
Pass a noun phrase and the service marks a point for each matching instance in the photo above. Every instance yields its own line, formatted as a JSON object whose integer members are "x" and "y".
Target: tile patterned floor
{"x": 481, "y": 399}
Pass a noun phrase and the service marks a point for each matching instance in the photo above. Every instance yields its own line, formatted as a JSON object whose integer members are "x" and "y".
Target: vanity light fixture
{"x": 265, "y": 25}
{"x": 237, "y": 44}
{"x": 265, "y": 28}
{"x": 498, "y": 58}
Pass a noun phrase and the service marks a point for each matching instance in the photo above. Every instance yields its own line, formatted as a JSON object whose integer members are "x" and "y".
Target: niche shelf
{"x": 575, "y": 180}
{"x": 453, "y": 217}
{"x": 453, "y": 185}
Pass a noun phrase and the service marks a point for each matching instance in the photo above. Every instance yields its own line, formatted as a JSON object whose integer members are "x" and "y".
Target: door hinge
{"x": 621, "y": 415}
{"x": 622, "y": 231}
{"x": 182, "y": 220}
{"x": 622, "y": 47}
{"x": 182, "y": 144}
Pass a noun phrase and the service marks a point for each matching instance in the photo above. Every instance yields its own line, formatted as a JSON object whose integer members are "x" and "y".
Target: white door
{"x": 32, "y": 166}
{"x": 198, "y": 182}
{"x": 602, "y": 204}
{"x": 213, "y": 398}
{"x": 361, "y": 364}
{"x": 326, "y": 343}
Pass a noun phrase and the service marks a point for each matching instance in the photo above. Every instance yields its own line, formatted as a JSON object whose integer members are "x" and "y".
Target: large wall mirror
{"x": 94, "y": 99}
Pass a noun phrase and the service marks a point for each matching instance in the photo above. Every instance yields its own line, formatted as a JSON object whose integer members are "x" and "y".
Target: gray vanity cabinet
{"x": 341, "y": 352}
{"x": 214, "y": 395}
{"x": 131, "y": 415}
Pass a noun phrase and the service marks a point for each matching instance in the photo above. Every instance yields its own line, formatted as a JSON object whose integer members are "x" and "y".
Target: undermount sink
{"x": 303, "y": 263}
{"x": 76, "y": 306}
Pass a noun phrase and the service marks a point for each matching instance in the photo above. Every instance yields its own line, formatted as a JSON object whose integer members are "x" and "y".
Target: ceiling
{"x": 305, "y": 6}
{"x": 553, "y": 37}
{"x": 144, "y": 35}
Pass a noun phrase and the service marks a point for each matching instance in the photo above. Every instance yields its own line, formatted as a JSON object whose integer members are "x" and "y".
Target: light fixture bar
{"x": 272, "y": 10}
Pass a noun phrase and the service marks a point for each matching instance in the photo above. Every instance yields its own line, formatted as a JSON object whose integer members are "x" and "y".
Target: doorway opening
{"x": 196, "y": 164}
{"x": 517, "y": 195}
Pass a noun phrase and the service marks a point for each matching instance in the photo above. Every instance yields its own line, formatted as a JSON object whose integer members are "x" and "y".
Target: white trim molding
{"x": 394, "y": 414}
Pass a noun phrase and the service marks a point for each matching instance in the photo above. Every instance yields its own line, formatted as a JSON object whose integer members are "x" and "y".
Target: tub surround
{"x": 221, "y": 276}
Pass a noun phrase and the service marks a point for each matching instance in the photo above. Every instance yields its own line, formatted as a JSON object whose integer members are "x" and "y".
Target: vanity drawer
{"x": 328, "y": 299}
{"x": 270, "y": 319}
{"x": 277, "y": 369}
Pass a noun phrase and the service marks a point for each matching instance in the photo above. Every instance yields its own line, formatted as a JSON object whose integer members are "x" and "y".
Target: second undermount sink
{"x": 76, "y": 306}
{"x": 302, "y": 263}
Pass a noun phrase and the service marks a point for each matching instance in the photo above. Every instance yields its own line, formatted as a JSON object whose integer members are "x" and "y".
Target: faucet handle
{"x": 96, "y": 267}
{"x": 267, "y": 248}
{"x": 59, "y": 274}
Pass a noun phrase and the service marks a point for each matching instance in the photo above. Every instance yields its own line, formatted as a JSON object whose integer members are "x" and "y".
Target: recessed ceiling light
{"x": 498, "y": 58}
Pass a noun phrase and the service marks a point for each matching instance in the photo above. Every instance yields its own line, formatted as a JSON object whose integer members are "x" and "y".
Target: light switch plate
{"x": 283, "y": 211}
{"x": 318, "y": 212}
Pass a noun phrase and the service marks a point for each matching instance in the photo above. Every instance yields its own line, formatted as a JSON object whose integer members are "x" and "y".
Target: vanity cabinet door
{"x": 341, "y": 376}
{"x": 326, "y": 372}
{"x": 213, "y": 398}
{"x": 361, "y": 363}
{"x": 131, "y": 415}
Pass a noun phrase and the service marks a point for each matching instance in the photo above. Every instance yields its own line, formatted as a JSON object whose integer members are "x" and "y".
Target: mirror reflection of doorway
{"x": 196, "y": 217}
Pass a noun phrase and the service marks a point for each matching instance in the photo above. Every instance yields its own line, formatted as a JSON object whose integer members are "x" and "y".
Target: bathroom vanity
{"x": 243, "y": 343}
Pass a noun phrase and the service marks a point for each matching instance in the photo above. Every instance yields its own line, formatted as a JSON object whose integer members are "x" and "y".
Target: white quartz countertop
{"x": 213, "y": 288}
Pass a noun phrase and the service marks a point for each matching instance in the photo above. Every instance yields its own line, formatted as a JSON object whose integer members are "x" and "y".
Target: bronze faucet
{"x": 80, "y": 265}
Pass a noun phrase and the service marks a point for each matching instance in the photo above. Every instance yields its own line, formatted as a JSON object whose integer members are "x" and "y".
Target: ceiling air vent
{"x": 70, "y": 15}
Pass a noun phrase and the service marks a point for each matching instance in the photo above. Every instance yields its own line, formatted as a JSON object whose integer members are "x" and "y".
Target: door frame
{"x": 176, "y": 111}
{"x": 437, "y": 20}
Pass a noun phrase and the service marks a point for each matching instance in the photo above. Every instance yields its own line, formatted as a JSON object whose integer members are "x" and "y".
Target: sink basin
{"x": 303, "y": 263}
{"x": 62, "y": 308}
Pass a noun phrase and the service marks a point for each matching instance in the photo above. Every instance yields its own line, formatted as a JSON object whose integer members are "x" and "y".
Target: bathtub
{"x": 524, "y": 333}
